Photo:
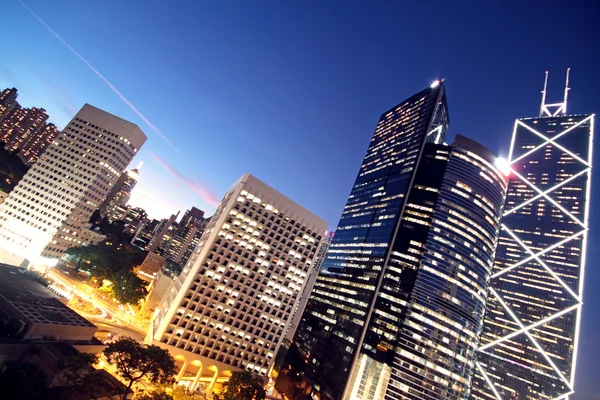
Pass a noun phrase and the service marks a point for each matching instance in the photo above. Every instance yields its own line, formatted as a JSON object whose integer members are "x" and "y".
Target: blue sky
{"x": 291, "y": 91}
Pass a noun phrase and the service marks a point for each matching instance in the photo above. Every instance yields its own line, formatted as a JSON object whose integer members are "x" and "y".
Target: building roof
{"x": 29, "y": 295}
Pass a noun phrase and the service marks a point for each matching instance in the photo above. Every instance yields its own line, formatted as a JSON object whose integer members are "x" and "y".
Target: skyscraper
{"x": 45, "y": 212}
{"x": 120, "y": 193}
{"x": 230, "y": 306}
{"x": 529, "y": 342}
{"x": 397, "y": 309}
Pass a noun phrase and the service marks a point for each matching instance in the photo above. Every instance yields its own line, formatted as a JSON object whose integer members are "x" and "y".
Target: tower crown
{"x": 554, "y": 109}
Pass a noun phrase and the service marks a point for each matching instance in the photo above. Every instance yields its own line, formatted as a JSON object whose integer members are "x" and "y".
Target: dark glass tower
{"x": 397, "y": 310}
{"x": 529, "y": 342}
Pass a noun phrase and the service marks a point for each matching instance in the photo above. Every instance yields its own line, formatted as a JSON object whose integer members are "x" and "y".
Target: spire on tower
{"x": 552, "y": 110}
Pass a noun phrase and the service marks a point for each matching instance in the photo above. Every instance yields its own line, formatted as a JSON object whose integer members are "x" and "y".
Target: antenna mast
{"x": 544, "y": 96}
{"x": 567, "y": 88}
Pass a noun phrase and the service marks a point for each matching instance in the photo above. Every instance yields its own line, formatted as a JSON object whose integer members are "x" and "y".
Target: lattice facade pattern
{"x": 529, "y": 342}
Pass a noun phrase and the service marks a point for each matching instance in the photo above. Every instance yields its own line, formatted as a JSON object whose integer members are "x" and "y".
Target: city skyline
{"x": 322, "y": 193}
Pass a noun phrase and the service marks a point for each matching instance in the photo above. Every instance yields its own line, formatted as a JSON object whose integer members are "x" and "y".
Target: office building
{"x": 119, "y": 194}
{"x": 44, "y": 214}
{"x": 134, "y": 219}
{"x": 397, "y": 308}
{"x": 32, "y": 148}
{"x": 230, "y": 306}
{"x": 190, "y": 217}
{"x": 530, "y": 338}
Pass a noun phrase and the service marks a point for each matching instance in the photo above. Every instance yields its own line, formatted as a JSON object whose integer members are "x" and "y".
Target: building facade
{"x": 397, "y": 309}
{"x": 35, "y": 145}
{"x": 230, "y": 306}
{"x": 530, "y": 338}
{"x": 8, "y": 101}
{"x": 44, "y": 214}
{"x": 119, "y": 194}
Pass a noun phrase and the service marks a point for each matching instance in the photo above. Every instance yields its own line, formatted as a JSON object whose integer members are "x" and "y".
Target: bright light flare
{"x": 435, "y": 84}
{"x": 503, "y": 166}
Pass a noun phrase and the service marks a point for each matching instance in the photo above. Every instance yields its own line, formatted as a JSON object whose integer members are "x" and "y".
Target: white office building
{"x": 230, "y": 308}
{"x": 45, "y": 213}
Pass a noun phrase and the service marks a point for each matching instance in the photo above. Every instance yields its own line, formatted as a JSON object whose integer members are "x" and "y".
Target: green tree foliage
{"x": 23, "y": 381}
{"x": 113, "y": 262}
{"x": 135, "y": 361}
{"x": 243, "y": 385}
{"x": 127, "y": 288}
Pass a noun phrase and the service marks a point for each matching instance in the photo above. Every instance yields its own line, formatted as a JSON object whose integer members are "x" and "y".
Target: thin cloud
{"x": 196, "y": 187}
{"x": 95, "y": 71}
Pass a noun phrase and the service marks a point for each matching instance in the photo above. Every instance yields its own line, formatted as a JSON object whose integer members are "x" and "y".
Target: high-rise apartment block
{"x": 32, "y": 148}
{"x": 230, "y": 306}
{"x": 8, "y": 101}
{"x": 397, "y": 309}
{"x": 21, "y": 125}
{"x": 530, "y": 338}
{"x": 24, "y": 129}
{"x": 44, "y": 214}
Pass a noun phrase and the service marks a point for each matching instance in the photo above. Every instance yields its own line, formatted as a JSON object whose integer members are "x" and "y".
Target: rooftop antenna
{"x": 567, "y": 88}
{"x": 555, "y": 109}
{"x": 544, "y": 96}
{"x": 139, "y": 165}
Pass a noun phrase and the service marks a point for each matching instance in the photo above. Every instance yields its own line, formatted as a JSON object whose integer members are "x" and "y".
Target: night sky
{"x": 291, "y": 91}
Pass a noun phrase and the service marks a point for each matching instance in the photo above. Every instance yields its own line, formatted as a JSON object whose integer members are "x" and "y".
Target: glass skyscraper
{"x": 397, "y": 310}
{"x": 529, "y": 343}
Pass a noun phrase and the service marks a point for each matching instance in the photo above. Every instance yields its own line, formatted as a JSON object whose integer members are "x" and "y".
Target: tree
{"x": 181, "y": 393}
{"x": 76, "y": 373}
{"x": 127, "y": 288}
{"x": 135, "y": 361}
{"x": 23, "y": 381}
{"x": 156, "y": 395}
{"x": 243, "y": 385}
{"x": 113, "y": 262}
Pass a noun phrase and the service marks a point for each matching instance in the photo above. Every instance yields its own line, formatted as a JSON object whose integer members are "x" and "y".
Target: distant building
{"x": 133, "y": 221}
{"x": 90, "y": 237}
{"x": 44, "y": 215}
{"x": 143, "y": 237}
{"x": 191, "y": 217}
{"x": 8, "y": 101}
{"x": 24, "y": 129}
{"x": 34, "y": 146}
{"x": 119, "y": 194}
{"x": 230, "y": 307}
{"x": 21, "y": 126}
{"x": 151, "y": 266}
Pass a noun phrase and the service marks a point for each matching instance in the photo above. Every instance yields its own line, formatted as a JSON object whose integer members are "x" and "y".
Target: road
{"x": 111, "y": 315}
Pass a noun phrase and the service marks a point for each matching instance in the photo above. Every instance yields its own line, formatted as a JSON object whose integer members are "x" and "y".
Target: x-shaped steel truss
{"x": 536, "y": 255}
